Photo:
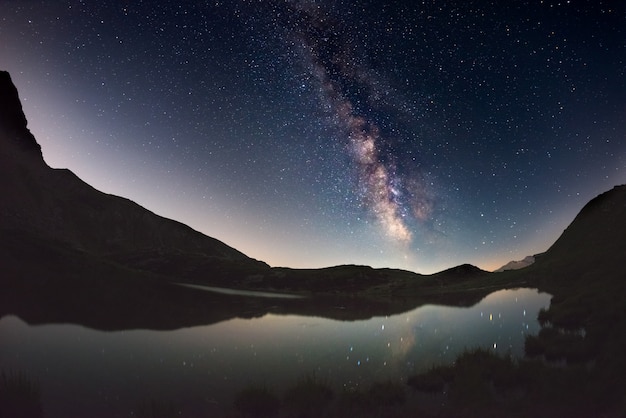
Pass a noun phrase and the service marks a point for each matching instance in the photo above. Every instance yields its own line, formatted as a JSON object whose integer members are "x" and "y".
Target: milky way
{"x": 308, "y": 133}
{"x": 327, "y": 51}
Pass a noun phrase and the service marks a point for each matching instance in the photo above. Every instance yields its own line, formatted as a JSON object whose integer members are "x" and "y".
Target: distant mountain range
{"x": 517, "y": 264}
{"x": 61, "y": 238}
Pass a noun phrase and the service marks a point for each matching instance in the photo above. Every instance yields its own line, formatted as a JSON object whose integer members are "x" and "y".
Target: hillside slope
{"x": 593, "y": 244}
{"x": 55, "y": 206}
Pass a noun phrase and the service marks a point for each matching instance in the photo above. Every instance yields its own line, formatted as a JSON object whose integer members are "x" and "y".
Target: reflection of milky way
{"x": 379, "y": 186}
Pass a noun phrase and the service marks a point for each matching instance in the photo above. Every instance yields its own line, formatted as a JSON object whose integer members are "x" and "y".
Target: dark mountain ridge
{"x": 54, "y": 205}
{"x": 72, "y": 253}
{"x": 13, "y": 122}
{"x": 594, "y": 240}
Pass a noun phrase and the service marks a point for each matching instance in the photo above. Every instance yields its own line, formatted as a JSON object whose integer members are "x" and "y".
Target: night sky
{"x": 309, "y": 133}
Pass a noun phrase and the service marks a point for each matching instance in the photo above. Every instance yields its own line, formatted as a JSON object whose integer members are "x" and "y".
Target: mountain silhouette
{"x": 54, "y": 206}
{"x": 594, "y": 240}
{"x": 74, "y": 253}
{"x": 66, "y": 221}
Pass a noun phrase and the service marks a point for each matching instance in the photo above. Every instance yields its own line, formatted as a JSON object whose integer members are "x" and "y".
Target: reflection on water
{"x": 200, "y": 369}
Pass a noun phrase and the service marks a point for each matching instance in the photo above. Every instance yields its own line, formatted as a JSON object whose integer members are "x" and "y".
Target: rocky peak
{"x": 12, "y": 119}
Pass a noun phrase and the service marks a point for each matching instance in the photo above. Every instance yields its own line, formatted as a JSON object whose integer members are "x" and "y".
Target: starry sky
{"x": 308, "y": 133}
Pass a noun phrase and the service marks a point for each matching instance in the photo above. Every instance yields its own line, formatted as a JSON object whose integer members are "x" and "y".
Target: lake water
{"x": 83, "y": 372}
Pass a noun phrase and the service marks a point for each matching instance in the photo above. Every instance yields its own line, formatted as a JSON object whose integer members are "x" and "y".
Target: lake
{"x": 83, "y": 372}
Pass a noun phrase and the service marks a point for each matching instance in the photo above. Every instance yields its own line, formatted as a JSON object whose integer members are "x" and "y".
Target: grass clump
{"x": 478, "y": 380}
{"x": 559, "y": 344}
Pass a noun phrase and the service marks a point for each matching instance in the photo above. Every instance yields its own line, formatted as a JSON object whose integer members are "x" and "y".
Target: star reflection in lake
{"x": 83, "y": 372}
